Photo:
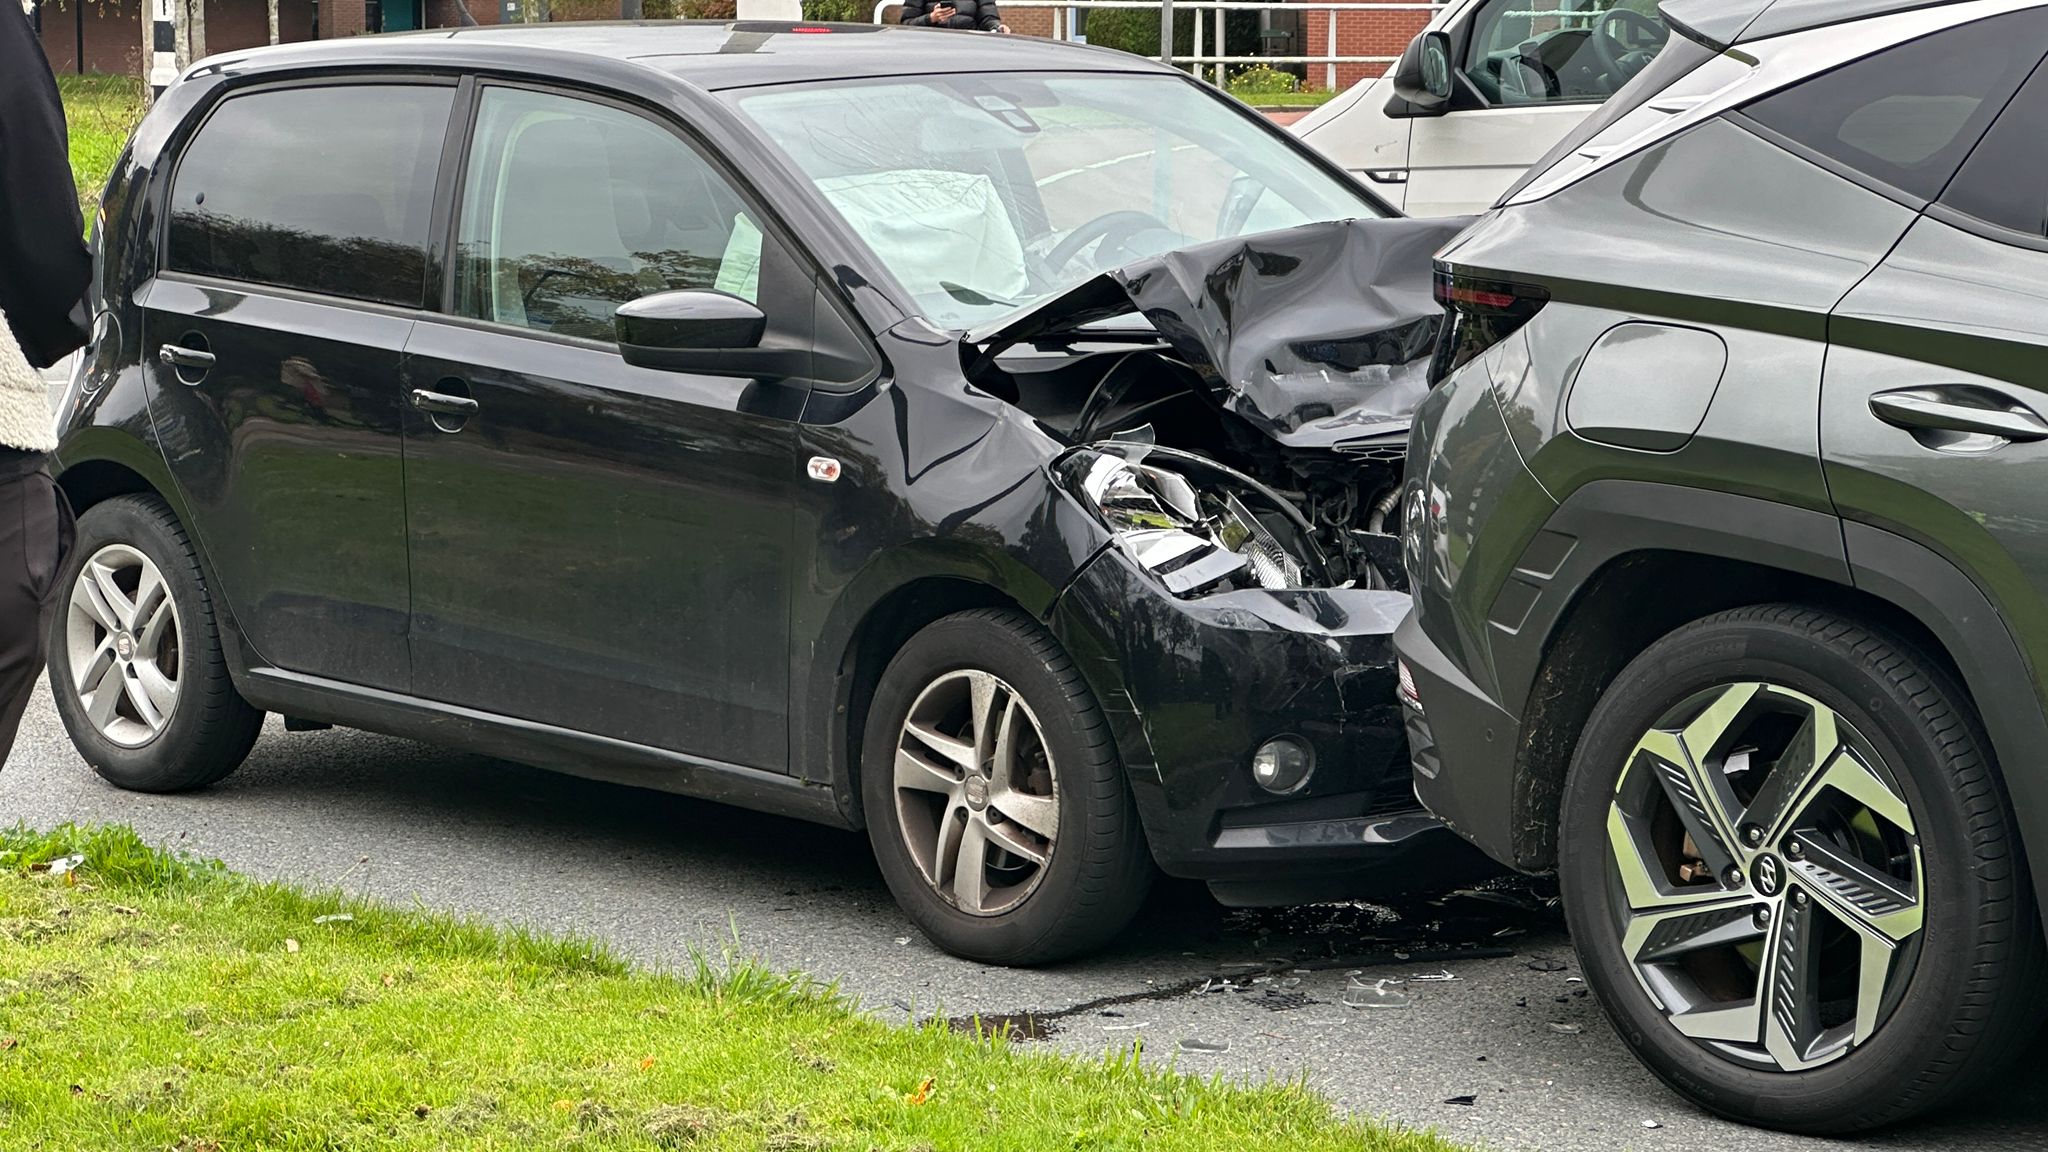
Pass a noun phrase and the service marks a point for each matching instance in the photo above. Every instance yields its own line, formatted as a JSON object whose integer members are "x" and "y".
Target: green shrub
{"x": 1262, "y": 80}
{"x": 1136, "y": 30}
{"x": 843, "y": 11}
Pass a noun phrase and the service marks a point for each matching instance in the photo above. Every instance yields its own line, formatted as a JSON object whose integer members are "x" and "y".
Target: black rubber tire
{"x": 1975, "y": 996}
{"x": 1100, "y": 869}
{"x": 212, "y": 728}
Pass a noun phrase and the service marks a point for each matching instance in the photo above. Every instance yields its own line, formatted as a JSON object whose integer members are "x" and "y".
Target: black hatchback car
{"x": 983, "y": 441}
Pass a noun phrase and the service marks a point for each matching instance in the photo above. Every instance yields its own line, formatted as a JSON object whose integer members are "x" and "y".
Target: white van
{"x": 1482, "y": 94}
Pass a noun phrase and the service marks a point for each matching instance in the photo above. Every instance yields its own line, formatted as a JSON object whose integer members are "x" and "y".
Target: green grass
{"x": 100, "y": 111}
{"x": 157, "y": 1002}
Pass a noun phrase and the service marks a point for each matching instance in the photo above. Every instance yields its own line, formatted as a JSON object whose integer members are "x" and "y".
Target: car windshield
{"x": 987, "y": 193}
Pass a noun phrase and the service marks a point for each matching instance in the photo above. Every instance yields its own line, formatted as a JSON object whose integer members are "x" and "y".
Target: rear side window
{"x": 325, "y": 190}
{"x": 2005, "y": 181}
{"x": 1907, "y": 116}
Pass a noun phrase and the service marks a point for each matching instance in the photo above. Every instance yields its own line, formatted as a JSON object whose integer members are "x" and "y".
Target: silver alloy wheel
{"x": 1767, "y": 877}
{"x": 122, "y": 635}
{"x": 976, "y": 791}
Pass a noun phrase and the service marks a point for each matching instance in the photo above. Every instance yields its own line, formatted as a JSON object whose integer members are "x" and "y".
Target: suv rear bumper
{"x": 1463, "y": 746}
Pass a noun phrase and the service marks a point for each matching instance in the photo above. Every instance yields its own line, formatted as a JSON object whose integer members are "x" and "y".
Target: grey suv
{"x": 1727, "y": 527}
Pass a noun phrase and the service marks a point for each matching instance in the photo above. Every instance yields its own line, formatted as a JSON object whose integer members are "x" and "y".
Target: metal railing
{"x": 1064, "y": 12}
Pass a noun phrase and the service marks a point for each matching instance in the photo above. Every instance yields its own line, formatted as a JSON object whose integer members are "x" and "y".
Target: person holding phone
{"x": 980, "y": 15}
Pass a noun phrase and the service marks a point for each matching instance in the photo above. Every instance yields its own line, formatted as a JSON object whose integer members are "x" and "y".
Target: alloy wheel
{"x": 122, "y": 636}
{"x": 976, "y": 792}
{"x": 1767, "y": 877}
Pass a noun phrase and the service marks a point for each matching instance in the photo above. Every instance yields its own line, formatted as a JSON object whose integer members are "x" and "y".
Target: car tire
{"x": 1062, "y": 795}
{"x": 1902, "y": 831}
{"x": 120, "y": 717}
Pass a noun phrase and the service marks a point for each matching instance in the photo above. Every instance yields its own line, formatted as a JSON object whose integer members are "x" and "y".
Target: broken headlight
{"x": 1197, "y": 525}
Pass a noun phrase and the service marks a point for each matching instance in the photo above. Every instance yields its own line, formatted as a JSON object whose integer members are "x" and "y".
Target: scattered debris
{"x": 1126, "y": 1027}
{"x": 1378, "y": 994}
{"x": 1545, "y": 964}
{"x": 1210, "y": 1046}
{"x": 902, "y": 940}
{"x": 1435, "y": 976}
{"x": 291, "y": 945}
{"x": 1463, "y": 1101}
{"x": 335, "y": 918}
{"x": 62, "y": 865}
{"x": 1564, "y": 1029}
{"x": 1652, "y": 1124}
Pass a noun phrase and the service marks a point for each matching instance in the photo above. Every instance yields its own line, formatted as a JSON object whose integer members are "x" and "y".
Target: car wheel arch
{"x": 884, "y": 625}
{"x": 1885, "y": 580}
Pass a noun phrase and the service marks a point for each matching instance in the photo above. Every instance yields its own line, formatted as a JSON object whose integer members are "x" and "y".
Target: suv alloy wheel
{"x": 1791, "y": 873}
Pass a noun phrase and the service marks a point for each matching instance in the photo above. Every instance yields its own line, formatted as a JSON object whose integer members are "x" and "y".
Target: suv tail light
{"x": 1482, "y": 313}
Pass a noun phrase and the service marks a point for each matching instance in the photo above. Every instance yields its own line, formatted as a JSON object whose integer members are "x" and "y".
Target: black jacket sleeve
{"x": 44, "y": 266}
{"x": 914, "y": 12}
{"x": 987, "y": 18}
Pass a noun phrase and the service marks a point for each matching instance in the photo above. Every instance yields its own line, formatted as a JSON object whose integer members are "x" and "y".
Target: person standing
{"x": 44, "y": 268}
{"x": 980, "y": 15}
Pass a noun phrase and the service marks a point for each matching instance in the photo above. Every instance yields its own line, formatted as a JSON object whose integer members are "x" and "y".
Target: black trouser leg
{"x": 35, "y": 529}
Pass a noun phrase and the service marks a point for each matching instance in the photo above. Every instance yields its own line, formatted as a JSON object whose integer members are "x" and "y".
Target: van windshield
{"x": 983, "y": 194}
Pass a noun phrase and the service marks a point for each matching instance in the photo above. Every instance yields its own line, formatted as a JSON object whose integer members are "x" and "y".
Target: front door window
{"x": 572, "y": 208}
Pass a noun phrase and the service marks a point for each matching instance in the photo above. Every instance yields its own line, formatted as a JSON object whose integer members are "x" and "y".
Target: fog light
{"x": 1407, "y": 686}
{"x": 1283, "y": 764}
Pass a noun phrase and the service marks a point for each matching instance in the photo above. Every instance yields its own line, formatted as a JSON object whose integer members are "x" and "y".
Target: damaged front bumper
{"x": 1193, "y": 687}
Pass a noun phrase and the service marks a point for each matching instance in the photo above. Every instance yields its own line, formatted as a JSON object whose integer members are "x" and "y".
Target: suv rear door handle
{"x": 1959, "y": 408}
{"x": 180, "y": 356}
{"x": 448, "y": 405}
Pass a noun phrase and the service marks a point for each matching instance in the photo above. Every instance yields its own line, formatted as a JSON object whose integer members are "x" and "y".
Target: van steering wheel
{"x": 1620, "y": 61}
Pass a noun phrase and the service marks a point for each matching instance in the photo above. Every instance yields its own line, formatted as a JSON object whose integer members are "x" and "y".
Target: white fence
{"x": 1065, "y": 11}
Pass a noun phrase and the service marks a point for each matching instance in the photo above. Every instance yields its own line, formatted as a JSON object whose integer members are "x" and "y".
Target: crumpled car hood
{"x": 1314, "y": 335}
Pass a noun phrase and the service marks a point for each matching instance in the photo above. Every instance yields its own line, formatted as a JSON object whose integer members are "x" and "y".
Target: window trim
{"x": 769, "y": 221}
{"x": 376, "y": 76}
{"x": 1985, "y": 229}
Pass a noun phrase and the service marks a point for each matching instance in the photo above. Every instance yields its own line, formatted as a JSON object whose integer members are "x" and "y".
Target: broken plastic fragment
{"x": 1564, "y": 1029}
{"x": 1378, "y": 994}
{"x": 1465, "y": 1101}
{"x": 64, "y": 864}
{"x": 1652, "y": 1124}
{"x": 1439, "y": 976}
{"x": 334, "y": 918}
{"x": 1193, "y": 1045}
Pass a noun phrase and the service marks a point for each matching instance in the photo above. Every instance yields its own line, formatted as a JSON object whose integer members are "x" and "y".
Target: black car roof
{"x": 727, "y": 54}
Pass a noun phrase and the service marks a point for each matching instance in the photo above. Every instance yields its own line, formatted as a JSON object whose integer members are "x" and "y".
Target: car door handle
{"x": 179, "y": 356}
{"x": 443, "y": 403}
{"x": 1959, "y": 408}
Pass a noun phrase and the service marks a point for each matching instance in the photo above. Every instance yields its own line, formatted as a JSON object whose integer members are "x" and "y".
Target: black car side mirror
{"x": 1422, "y": 77}
{"x": 703, "y": 331}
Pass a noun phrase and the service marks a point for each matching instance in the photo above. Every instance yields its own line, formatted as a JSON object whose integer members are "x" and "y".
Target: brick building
{"x": 106, "y": 35}
{"x": 1364, "y": 33}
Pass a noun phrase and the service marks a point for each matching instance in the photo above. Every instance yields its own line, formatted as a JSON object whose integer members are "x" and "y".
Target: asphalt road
{"x": 656, "y": 876}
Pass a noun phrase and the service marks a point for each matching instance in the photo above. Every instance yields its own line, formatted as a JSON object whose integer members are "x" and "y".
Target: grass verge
{"x": 156, "y": 1002}
{"x": 100, "y": 111}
